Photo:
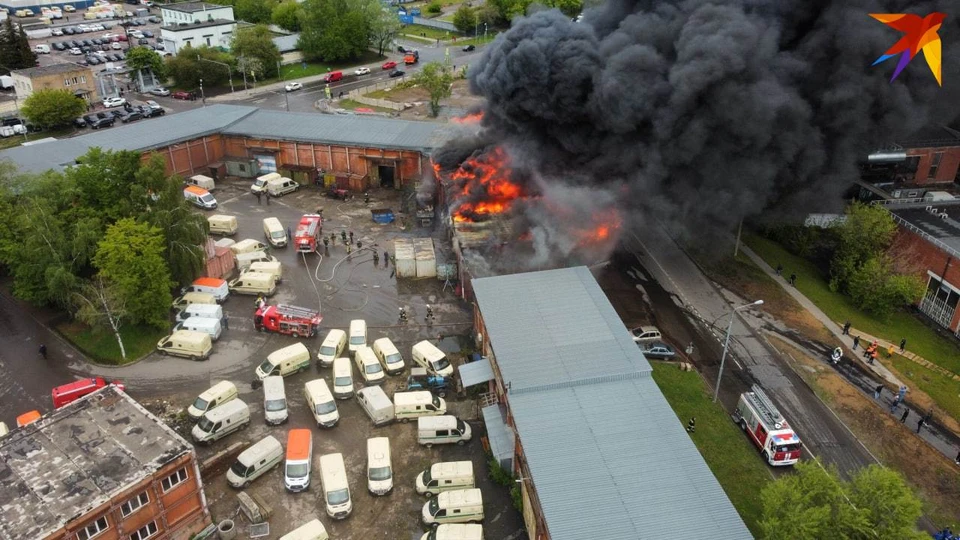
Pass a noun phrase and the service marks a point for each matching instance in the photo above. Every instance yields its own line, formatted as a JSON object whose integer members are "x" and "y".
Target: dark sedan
{"x": 397, "y": 73}
{"x": 131, "y": 117}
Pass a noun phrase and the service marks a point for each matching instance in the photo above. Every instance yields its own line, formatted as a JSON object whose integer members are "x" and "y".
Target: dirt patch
{"x": 931, "y": 473}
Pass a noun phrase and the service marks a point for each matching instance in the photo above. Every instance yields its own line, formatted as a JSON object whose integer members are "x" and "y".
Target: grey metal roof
{"x": 555, "y": 327}
{"x": 76, "y": 459}
{"x": 476, "y": 372}
{"x": 944, "y": 230}
{"x": 186, "y": 27}
{"x": 350, "y": 130}
{"x": 611, "y": 461}
{"x": 499, "y": 435}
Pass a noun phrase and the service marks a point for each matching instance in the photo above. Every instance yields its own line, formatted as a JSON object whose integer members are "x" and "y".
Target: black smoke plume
{"x": 698, "y": 114}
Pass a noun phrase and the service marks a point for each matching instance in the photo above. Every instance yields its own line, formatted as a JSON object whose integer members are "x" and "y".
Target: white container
{"x": 406, "y": 260}
{"x": 426, "y": 258}
{"x": 376, "y": 404}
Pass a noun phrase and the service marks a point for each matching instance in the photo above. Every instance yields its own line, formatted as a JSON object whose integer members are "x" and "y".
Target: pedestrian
{"x": 890, "y": 350}
{"x": 359, "y": 244}
{"x": 267, "y": 195}
{"x": 877, "y": 390}
{"x": 333, "y": 239}
{"x": 894, "y": 405}
{"x": 779, "y": 269}
{"x": 289, "y": 234}
{"x": 326, "y": 242}
{"x": 226, "y": 322}
{"x": 376, "y": 258}
{"x": 43, "y": 351}
{"x": 903, "y": 344}
{"x": 692, "y": 425}
{"x": 958, "y": 458}
{"x": 793, "y": 279}
{"x": 906, "y": 413}
{"x": 349, "y": 249}
{"x": 343, "y": 236}
{"x": 259, "y": 195}
{"x": 846, "y": 328}
{"x": 873, "y": 357}
{"x": 351, "y": 237}
{"x": 920, "y": 423}
{"x": 856, "y": 342}
{"x": 902, "y": 393}
{"x": 386, "y": 259}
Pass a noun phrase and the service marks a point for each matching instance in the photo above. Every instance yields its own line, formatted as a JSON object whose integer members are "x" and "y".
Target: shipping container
{"x": 426, "y": 259}
{"x": 222, "y": 264}
{"x": 406, "y": 260}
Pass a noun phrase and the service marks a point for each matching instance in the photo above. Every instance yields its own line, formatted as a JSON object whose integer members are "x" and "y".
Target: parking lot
{"x": 343, "y": 288}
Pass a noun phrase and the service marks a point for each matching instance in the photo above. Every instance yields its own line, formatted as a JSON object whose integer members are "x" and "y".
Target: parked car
{"x": 58, "y": 46}
{"x": 132, "y": 116}
{"x": 57, "y": 32}
{"x": 75, "y": 51}
{"x": 153, "y": 104}
{"x": 401, "y": 48}
{"x": 113, "y": 102}
{"x": 397, "y": 73}
{"x": 150, "y": 112}
{"x": 290, "y": 87}
{"x": 388, "y": 65}
{"x": 69, "y": 9}
{"x": 469, "y": 48}
{"x": 182, "y": 95}
{"x": 147, "y": 33}
{"x": 102, "y": 122}
{"x": 657, "y": 349}
{"x": 116, "y": 46}
{"x": 98, "y": 41}
{"x": 362, "y": 71}
{"x": 160, "y": 91}
{"x": 93, "y": 60}
{"x": 79, "y": 123}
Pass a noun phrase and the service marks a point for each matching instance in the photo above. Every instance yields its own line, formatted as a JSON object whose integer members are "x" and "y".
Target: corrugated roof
{"x": 50, "y": 70}
{"x": 476, "y": 372}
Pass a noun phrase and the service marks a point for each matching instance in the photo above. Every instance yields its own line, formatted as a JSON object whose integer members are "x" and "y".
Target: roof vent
{"x": 928, "y": 208}
{"x": 943, "y": 215}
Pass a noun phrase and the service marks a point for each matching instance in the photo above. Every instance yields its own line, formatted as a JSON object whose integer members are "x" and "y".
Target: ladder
{"x": 766, "y": 407}
{"x": 294, "y": 311}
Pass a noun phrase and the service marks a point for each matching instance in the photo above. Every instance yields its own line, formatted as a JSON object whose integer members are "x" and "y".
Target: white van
{"x": 389, "y": 356}
{"x": 253, "y": 462}
{"x": 274, "y": 232}
{"x": 342, "y": 379}
{"x": 208, "y": 326}
{"x": 260, "y": 184}
{"x": 215, "y": 286}
{"x": 457, "y": 506}
{"x": 321, "y": 403}
{"x": 244, "y": 260}
{"x": 254, "y": 283}
{"x": 200, "y": 197}
{"x": 186, "y": 343}
{"x": 407, "y": 405}
{"x": 358, "y": 335}
{"x": 42, "y": 49}
{"x": 332, "y": 347}
{"x": 312, "y": 530}
{"x": 370, "y": 369}
{"x": 247, "y": 245}
{"x": 445, "y": 476}
{"x": 211, "y": 398}
{"x": 281, "y": 186}
{"x": 194, "y": 298}
{"x": 274, "y": 400}
{"x": 379, "y": 468}
{"x": 221, "y": 224}
{"x": 376, "y": 404}
{"x": 429, "y": 356}
{"x": 232, "y": 416}
{"x": 290, "y": 359}
{"x": 3, "y": 429}
{"x": 201, "y": 181}
{"x": 336, "y": 490}
{"x": 445, "y": 429}
{"x": 455, "y": 531}
{"x": 296, "y": 470}
{"x": 273, "y": 268}
{"x": 206, "y": 311}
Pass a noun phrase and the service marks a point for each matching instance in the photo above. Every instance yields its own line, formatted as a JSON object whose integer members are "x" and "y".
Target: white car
{"x": 116, "y": 46}
{"x": 113, "y": 102}
{"x": 75, "y": 51}
{"x": 290, "y": 87}
{"x": 57, "y": 32}
{"x": 153, "y": 104}
{"x": 362, "y": 71}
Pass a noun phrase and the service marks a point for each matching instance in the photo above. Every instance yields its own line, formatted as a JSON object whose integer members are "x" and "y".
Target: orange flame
{"x": 487, "y": 177}
{"x": 603, "y": 227}
{"x": 468, "y": 119}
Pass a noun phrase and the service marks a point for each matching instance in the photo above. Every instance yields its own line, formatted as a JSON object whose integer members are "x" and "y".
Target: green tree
{"x": 100, "y": 304}
{"x": 876, "y": 288}
{"x": 890, "y": 506}
{"x": 253, "y": 11}
{"x": 435, "y": 7}
{"x": 335, "y": 30}
{"x": 257, "y": 42}
{"x": 15, "y": 50}
{"x": 144, "y": 59}
{"x": 131, "y": 257}
{"x": 287, "y": 15}
{"x": 103, "y": 182}
{"x": 465, "y": 19}
{"x": 570, "y": 8}
{"x": 384, "y": 27}
{"x": 508, "y": 9}
{"x": 187, "y": 70}
{"x": 437, "y": 80}
{"x": 486, "y": 14}
{"x": 49, "y": 108}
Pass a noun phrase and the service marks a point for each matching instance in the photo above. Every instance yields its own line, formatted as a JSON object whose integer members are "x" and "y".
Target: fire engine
{"x": 290, "y": 320}
{"x": 308, "y": 233}
{"x": 759, "y": 417}
{"x": 68, "y": 393}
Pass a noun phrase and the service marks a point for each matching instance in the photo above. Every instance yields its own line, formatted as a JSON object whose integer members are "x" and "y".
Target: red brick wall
{"x": 912, "y": 249}
{"x": 946, "y": 172}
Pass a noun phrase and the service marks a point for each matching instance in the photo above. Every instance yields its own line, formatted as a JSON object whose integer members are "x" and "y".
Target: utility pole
{"x": 726, "y": 343}
{"x": 736, "y": 247}
{"x": 229, "y": 73}
{"x": 203, "y": 98}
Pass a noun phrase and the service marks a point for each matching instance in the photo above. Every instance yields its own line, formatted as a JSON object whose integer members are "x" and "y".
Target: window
{"x": 74, "y": 80}
{"x": 176, "y": 478}
{"x": 66, "y": 82}
{"x": 93, "y": 529}
{"x": 134, "y": 504}
{"x": 934, "y": 165}
{"x": 145, "y": 532}
{"x": 83, "y": 78}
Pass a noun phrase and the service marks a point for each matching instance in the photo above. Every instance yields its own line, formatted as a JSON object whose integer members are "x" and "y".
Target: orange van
{"x": 28, "y": 418}
{"x": 296, "y": 471}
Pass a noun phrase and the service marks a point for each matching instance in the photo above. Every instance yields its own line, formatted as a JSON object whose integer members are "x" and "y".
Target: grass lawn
{"x": 295, "y": 71}
{"x": 432, "y": 33}
{"x": 479, "y": 40}
{"x": 943, "y": 390}
{"x": 351, "y": 104}
{"x": 102, "y": 346}
{"x": 724, "y": 446}
{"x": 17, "y": 140}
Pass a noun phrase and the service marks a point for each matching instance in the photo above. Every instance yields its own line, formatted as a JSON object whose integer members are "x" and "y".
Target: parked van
{"x": 358, "y": 335}
{"x": 274, "y": 400}
{"x": 273, "y": 268}
{"x": 445, "y": 429}
{"x": 208, "y": 326}
{"x": 42, "y": 49}
{"x": 199, "y": 197}
{"x": 215, "y": 286}
{"x": 445, "y": 476}
{"x": 389, "y": 356}
{"x": 332, "y": 347}
{"x": 312, "y": 530}
{"x": 187, "y": 343}
{"x": 429, "y": 356}
{"x": 456, "y": 506}
{"x": 3, "y": 430}
{"x": 244, "y": 260}
{"x": 336, "y": 490}
{"x": 274, "y": 232}
{"x": 455, "y": 531}
{"x": 376, "y": 404}
{"x": 225, "y": 242}
{"x": 206, "y": 311}
{"x": 285, "y": 361}
{"x": 333, "y": 76}
{"x": 407, "y": 405}
{"x": 342, "y": 378}
{"x": 281, "y": 186}
{"x": 211, "y": 398}
{"x": 260, "y": 184}
{"x": 253, "y": 462}
{"x": 221, "y": 224}
{"x": 194, "y": 298}
{"x": 201, "y": 181}
{"x": 233, "y": 415}
{"x": 368, "y": 366}
{"x": 28, "y": 418}
{"x": 379, "y": 468}
{"x": 254, "y": 283}
{"x": 296, "y": 471}
{"x": 321, "y": 403}
{"x": 247, "y": 245}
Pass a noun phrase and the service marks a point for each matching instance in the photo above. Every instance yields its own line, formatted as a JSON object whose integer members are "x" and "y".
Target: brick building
{"x": 73, "y": 77}
{"x": 927, "y": 158}
{"x": 102, "y": 467}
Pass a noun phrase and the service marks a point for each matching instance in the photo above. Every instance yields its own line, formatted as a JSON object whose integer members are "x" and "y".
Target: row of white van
{"x": 424, "y": 353}
{"x": 314, "y": 530}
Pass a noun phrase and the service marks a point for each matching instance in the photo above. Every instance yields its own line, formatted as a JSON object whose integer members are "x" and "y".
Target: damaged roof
{"x": 76, "y": 459}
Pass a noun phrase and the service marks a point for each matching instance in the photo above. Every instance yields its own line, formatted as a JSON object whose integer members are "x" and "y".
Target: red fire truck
{"x": 308, "y": 233}
{"x": 768, "y": 429}
{"x": 71, "y": 392}
{"x": 290, "y": 320}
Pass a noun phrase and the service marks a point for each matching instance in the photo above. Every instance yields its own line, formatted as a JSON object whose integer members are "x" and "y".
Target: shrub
{"x": 498, "y": 474}
{"x": 435, "y": 7}
{"x": 517, "y": 498}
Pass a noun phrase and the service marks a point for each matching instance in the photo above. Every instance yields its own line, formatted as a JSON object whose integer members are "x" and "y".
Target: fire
{"x": 602, "y": 228}
{"x": 487, "y": 178}
{"x": 468, "y": 119}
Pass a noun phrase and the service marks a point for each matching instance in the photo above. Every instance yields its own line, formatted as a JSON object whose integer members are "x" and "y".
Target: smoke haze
{"x": 700, "y": 113}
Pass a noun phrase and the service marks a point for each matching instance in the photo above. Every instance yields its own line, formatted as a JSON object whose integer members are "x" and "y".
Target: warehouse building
{"x": 573, "y": 409}
{"x": 101, "y": 467}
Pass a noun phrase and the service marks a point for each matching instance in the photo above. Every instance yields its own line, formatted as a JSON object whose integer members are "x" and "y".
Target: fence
{"x": 442, "y": 25}
{"x": 359, "y": 95}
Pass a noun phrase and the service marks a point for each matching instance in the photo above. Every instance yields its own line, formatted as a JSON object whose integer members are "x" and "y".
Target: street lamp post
{"x": 484, "y": 31}
{"x": 726, "y": 343}
{"x": 203, "y": 99}
{"x": 229, "y": 72}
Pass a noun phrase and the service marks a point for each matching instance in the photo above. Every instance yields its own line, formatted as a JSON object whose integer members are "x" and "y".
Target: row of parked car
{"x": 129, "y": 114}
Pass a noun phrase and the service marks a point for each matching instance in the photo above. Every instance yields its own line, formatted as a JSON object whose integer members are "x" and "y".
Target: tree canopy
{"x": 254, "y": 11}
{"x": 465, "y": 19}
{"x": 52, "y": 107}
{"x": 437, "y": 80}
{"x": 257, "y": 42}
{"x": 335, "y": 30}
{"x": 187, "y": 70}
{"x": 143, "y": 58}
{"x": 15, "y": 50}
{"x": 287, "y": 15}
